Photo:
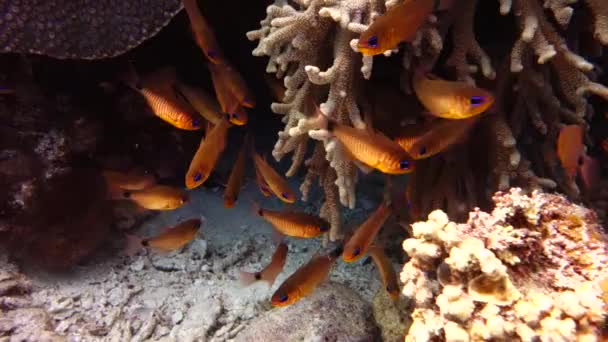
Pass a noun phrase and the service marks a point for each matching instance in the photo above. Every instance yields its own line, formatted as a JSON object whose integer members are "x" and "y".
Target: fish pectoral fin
{"x": 364, "y": 168}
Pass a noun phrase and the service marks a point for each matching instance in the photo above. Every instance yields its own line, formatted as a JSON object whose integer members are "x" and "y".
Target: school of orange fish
{"x": 456, "y": 106}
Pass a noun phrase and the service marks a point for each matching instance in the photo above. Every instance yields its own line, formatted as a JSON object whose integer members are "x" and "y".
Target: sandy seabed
{"x": 192, "y": 294}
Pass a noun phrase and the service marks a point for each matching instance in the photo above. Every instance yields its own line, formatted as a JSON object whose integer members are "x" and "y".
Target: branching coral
{"x": 541, "y": 83}
{"x": 530, "y": 269}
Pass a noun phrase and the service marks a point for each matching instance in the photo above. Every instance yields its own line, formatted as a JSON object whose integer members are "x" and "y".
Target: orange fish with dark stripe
{"x": 452, "y": 100}
{"x": 276, "y": 184}
{"x": 399, "y": 24}
{"x": 202, "y": 102}
{"x": 386, "y": 270}
{"x": 207, "y": 155}
{"x": 373, "y": 149}
{"x": 231, "y": 80}
{"x": 304, "y": 281}
{"x": 135, "y": 179}
{"x": 294, "y": 223}
{"x": 426, "y": 140}
{"x": 237, "y": 176}
{"x": 570, "y": 148}
{"x": 366, "y": 233}
{"x": 156, "y": 197}
{"x": 167, "y": 240}
{"x": 157, "y": 90}
{"x": 271, "y": 271}
{"x": 203, "y": 33}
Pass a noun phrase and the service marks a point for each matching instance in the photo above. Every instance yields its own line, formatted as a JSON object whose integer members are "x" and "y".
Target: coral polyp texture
{"x": 542, "y": 79}
{"x": 533, "y": 268}
{"x": 81, "y": 29}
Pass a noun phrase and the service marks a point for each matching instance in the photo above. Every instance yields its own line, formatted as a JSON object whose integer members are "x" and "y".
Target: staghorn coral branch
{"x": 465, "y": 44}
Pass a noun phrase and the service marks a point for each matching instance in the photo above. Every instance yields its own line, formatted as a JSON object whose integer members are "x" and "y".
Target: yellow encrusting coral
{"x": 533, "y": 268}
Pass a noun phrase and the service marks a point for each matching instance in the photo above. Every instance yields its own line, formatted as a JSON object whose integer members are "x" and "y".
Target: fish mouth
{"x": 367, "y": 50}
{"x": 347, "y": 258}
{"x": 238, "y": 122}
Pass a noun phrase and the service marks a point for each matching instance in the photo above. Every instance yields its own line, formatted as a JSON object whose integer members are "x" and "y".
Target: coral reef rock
{"x": 393, "y": 318}
{"x": 20, "y": 320}
{"x": 81, "y": 29}
{"x": 532, "y": 269}
{"x": 332, "y": 313}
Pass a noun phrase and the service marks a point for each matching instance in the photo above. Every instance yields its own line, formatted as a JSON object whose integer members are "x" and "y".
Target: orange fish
{"x": 168, "y": 240}
{"x": 590, "y": 172}
{"x": 570, "y": 148}
{"x": 364, "y": 236}
{"x": 450, "y": 99}
{"x": 157, "y": 90}
{"x": 229, "y": 81}
{"x": 294, "y": 223}
{"x": 156, "y": 197}
{"x": 235, "y": 181}
{"x": 207, "y": 155}
{"x": 228, "y": 101}
{"x": 277, "y": 184}
{"x": 135, "y": 179}
{"x": 424, "y": 141}
{"x": 203, "y": 33}
{"x": 387, "y": 272}
{"x": 202, "y": 102}
{"x": 373, "y": 149}
{"x": 271, "y": 271}
{"x": 399, "y": 24}
{"x": 303, "y": 281}
{"x": 264, "y": 189}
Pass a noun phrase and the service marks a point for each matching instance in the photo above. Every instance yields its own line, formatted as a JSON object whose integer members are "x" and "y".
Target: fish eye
{"x": 212, "y": 53}
{"x": 373, "y": 41}
{"x": 476, "y": 100}
{"x": 324, "y": 228}
{"x": 235, "y": 115}
{"x": 422, "y": 150}
{"x": 283, "y": 298}
{"x": 126, "y": 194}
{"x": 389, "y": 288}
{"x": 357, "y": 251}
{"x": 404, "y": 164}
{"x": 185, "y": 199}
{"x": 198, "y": 177}
{"x": 196, "y": 122}
{"x": 285, "y": 195}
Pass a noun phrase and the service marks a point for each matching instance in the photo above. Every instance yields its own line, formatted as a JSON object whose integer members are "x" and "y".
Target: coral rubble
{"x": 529, "y": 269}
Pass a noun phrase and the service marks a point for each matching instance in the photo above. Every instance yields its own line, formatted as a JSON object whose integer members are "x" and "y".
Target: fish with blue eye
{"x": 274, "y": 181}
{"x": 426, "y": 140}
{"x": 238, "y": 117}
{"x": 206, "y": 156}
{"x": 304, "y": 280}
{"x": 363, "y": 237}
{"x": 399, "y": 23}
{"x": 454, "y": 100}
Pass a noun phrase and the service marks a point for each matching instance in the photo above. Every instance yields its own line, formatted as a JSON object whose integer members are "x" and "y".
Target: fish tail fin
{"x": 248, "y": 278}
{"x": 134, "y": 244}
{"x": 130, "y": 77}
{"x": 269, "y": 277}
{"x": 277, "y": 237}
{"x": 257, "y": 209}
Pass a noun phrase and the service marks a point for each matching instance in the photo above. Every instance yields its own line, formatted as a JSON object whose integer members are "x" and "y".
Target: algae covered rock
{"x": 333, "y": 312}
